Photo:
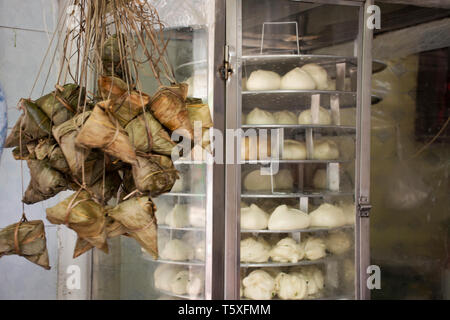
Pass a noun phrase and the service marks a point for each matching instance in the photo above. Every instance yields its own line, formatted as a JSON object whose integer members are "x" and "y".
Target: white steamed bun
{"x": 196, "y": 284}
{"x": 314, "y": 278}
{"x": 290, "y": 287}
{"x": 197, "y": 217}
{"x": 178, "y": 217}
{"x": 263, "y": 80}
{"x": 314, "y": 248}
{"x": 177, "y": 250}
{"x": 297, "y": 79}
{"x": 349, "y": 209}
{"x": 294, "y": 150}
{"x": 253, "y": 218}
{"x": 318, "y": 73}
{"x": 285, "y": 117}
{"x": 254, "y": 250}
{"x": 338, "y": 242}
{"x": 287, "y": 250}
{"x": 285, "y": 218}
{"x": 164, "y": 274}
{"x": 199, "y": 250}
{"x": 325, "y": 150}
{"x": 254, "y": 181}
{"x": 320, "y": 179}
{"x": 305, "y": 117}
{"x": 178, "y": 285}
{"x": 259, "y": 285}
{"x": 259, "y": 116}
{"x": 328, "y": 216}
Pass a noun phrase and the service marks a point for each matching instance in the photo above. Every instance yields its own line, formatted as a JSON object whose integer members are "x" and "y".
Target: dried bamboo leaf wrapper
{"x": 83, "y": 215}
{"x": 138, "y": 216}
{"x": 103, "y": 191}
{"x": 169, "y": 107}
{"x": 128, "y": 185}
{"x": 147, "y": 135}
{"x": 45, "y": 183}
{"x": 27, "y": 152}
{"x": 61, "y": 104}
{"x": 155, "y": 174}
{"x": 200, "y": 112}
{"x": 113, "y": 62}
{"x": 131, "y": 106}
{"x": 32, "y": 124}
{"x": 65, "y": 134}
{"x": 112, "y": 88}
{"x": 50, "y": 150}
{"x": 31, "y": 242}
{"x": 101, "y": 132}
{"x": 113, "y": 229}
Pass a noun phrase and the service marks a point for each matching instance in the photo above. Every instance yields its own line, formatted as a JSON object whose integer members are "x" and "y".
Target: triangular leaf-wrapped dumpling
{"x": 31, "y": 242}
{"x": 148, "y": 135}
{"x": 83, "y": 215}
{"x": 101, "y": 131}
{"x": 45, "y": 182}
{"x": 138, "y": 216}
{"x": 155, "y": 174}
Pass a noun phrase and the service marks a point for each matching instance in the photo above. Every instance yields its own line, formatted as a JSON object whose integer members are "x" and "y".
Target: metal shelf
{"x": 285, "y": 264}
{"x": 182, "y": 194}
{"x": 296, "y": 230}
{"x": 247, "y": 194}
{"x": 299, "y": 127}
{"x": 147, "y": 257}
{"x": 166, "y": 227}
{"x": 292, "y": 161}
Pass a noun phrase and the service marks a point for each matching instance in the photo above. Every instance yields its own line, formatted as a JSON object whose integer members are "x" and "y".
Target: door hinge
{"x": 225, "y": 70}
{"x": 364, "y": 210}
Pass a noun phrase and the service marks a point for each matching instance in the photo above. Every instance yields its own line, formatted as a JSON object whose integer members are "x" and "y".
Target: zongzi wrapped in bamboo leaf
{"x": 32, "y": 124}
{"x": 50, "y": 150}
{"x": 114, "y": 63}
{"x": 100, "y": 131}
{"x": 127, "y": 109}
{"x": 200, "y": 112}
{"x": 113, "y": 229}
{"x": 31, "y": 242}
{"x": 128, "y": 185}
{"x": 155, "y": 174}
{"x": 113, "y": 88}
{"x": 169, "y": 107}
{"x": 148, "y": 135}
{"x": 83, "y": 215}
{"x": 27, "y": 152}
{"x": 138, "y": 216}
{"x": 45, "y": 182}
{"x": 61, "y": 104}
{"x": 65, "y": 134}
{"x": 104, "y": 190}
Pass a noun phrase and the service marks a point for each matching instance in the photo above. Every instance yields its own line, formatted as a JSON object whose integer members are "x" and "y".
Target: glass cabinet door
{"x": 183, "y": 269}
{"x": 298, "y": 95}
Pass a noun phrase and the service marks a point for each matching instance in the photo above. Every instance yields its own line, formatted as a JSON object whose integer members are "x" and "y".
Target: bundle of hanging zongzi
{"x": 169, "y": 107}
{"x": 83, "y": 215}
{"x": 32, "y": 124}
{"x": 155, "y": 174}
{"x": 45, "y": 182}
{"x": 147, "y": 134}
{"x": 26, "y": 239}
{"x": 103, "y": 131}
{"x": 138, "y": 216}
{"x": 61, "y": 104}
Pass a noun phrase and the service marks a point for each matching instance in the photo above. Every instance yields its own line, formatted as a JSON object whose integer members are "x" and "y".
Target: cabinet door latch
{"x": 364, "y": 210}
{"x": 225, "y": 70}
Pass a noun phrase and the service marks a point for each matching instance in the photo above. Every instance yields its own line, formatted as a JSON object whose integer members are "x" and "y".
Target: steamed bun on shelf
{"x": 259, "y": 285}
{"x": 178, "y": 285}
{"x": 287, "y": 250}
{"x": 164, "y": 274}
{"x": 253, "y": 218}
{"x": 254, "y": 250}
{"x": 305, "y": 117}
{"x": 197, "y": 85}
{"x": 263, "y": 80}
{"x": 196, "y": 284}
{"x": 338, "y": 242}
{"x": 259, "y": 116}
{"x": 285, "y": 117}
{"x": 314, "y": 278}
{"x": 285, "y": 218}
{"x": 178, "y": 216}
{"x": 199, "y": 250}
{"x": 197, "y": 216}
{"x": 178, "y": 185}
{"x": 297, "y": 79}
{"x": 318, "y": 73}
{"x": 254, "y": 181}
{"x": 349, "y": 209}
{"x": 291, "y": 287}
{"x": 177, "y": 250}
{"x": 320, "y": 179}
{"x": 314, "y": 248}
{"x": 294, "y": 150}
{"x": 325, "y": 149}
{"x": 327, "y": 216}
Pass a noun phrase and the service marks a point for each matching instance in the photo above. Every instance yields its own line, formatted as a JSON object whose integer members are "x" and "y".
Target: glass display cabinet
{"x": 284, "y": 213}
